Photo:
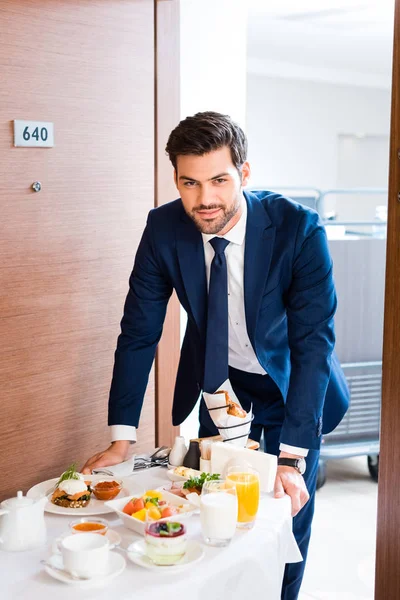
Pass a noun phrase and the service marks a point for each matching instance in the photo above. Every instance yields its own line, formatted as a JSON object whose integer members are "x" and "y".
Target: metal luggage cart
{"x": 359, "y": 274}
{"x": 358, "y": 433}
{"x": 358, "y": 336}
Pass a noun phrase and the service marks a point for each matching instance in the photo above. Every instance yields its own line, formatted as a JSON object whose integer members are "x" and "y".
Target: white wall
{"x": 213, "y": 57}
{"x": 293, "y": 128}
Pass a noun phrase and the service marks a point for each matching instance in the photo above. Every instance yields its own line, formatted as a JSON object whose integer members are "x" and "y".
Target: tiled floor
{"x": 341, "y": 560}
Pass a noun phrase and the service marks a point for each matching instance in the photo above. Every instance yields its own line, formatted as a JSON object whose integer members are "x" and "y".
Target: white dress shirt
{"x": 241, "y": 353}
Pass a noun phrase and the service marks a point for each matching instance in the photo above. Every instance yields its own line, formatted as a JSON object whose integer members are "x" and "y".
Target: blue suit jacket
{"x": 289, "y": 303}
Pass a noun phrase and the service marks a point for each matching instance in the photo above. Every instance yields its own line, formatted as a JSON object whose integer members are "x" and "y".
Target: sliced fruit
{"x": 168, "y": 511}
{"x": 154, "y": 513}
{"x": 152, "y": 494}
{"x": 140, "y": 514}
{"x": 128, "y": 508}
{"x": 138, "y": 504}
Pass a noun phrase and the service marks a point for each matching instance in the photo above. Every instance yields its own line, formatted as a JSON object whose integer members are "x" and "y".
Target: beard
{"x": 215, "y": 224}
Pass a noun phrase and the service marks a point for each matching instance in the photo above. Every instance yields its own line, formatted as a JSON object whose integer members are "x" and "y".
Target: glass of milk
{"x": 218, "y": 512}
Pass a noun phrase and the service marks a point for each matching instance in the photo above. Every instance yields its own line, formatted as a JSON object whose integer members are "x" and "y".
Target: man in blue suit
{"x": 252, "y": 271}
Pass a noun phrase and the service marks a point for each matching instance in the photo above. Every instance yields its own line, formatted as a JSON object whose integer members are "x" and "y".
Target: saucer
{"x": 116, "y": 565}
{"x": 136, "y": 552}
{"x": 112, "y": 536}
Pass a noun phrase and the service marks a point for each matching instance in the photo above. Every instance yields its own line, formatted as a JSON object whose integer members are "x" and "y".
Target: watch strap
{"x": 290, "y": 462}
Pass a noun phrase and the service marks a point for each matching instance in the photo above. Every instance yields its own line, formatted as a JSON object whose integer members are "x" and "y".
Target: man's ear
{"x": 245, "y": 173}
{"x": 175, "y": 178}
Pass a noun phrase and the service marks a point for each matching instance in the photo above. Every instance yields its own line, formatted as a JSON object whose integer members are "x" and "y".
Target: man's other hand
{"x": 289, "y": 481}
{"x": 115, "y": 454}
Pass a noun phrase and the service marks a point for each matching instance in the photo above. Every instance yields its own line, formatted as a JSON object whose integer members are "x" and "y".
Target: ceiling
{"x": 337, "y": 41}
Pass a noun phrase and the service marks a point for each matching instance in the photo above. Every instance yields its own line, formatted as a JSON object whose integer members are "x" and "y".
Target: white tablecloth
{"x": 250, "y": 566}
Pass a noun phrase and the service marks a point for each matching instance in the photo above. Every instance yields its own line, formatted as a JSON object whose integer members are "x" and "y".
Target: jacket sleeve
{"x": 141, "y": 328}
{"x": 311, "y": 305}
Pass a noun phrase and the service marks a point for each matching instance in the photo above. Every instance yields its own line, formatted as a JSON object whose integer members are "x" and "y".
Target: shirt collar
{"x": 235, "y": 235}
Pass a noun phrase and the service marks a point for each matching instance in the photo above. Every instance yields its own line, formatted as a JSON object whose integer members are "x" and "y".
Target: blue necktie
{"x": 216, "y": 357}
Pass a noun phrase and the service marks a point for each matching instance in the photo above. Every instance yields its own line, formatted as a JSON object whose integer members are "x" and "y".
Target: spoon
{"x": 161, "y": 453}
{"x": 158, "y": 458}
{"x": 73, "y": 576}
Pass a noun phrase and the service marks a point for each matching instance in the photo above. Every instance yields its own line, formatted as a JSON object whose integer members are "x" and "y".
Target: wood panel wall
{"x": 66, "y": 253}
{"x": 167, "y": 117}
{"x": 387, "y": 582}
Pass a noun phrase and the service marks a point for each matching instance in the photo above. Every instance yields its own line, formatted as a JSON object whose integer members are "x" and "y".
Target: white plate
{"x": 173, "y": 477}
{"x": 113, "y": 537}
{"x": 95, "y": 507}
{"x": 194, "y": 553}
{"x": 138, "y": 526}
{"x": 116, "y": 565}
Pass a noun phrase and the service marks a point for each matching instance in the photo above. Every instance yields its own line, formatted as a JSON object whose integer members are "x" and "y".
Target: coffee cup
{"x": 85, "y": 555}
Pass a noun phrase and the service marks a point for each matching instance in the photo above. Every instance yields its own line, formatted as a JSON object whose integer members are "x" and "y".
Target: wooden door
{"x": 387, "y": 585}
{"x": 66, "y": 252}
{"x": 167, "y": 118}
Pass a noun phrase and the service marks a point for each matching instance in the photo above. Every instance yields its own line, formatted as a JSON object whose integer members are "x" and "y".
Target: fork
{"x": 146, "y": 464}
{"x": 142, "y": 462}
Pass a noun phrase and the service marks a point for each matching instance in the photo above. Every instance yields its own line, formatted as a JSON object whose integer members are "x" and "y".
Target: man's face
{"x": 211, "y": 189}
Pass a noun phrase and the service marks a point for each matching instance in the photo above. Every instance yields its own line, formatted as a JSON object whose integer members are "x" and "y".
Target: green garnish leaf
{"x": 198, "y": 482}
{"x": 152, "y": 500}
{"x": 70, "y": 473}
{"x": 167, "y": 528}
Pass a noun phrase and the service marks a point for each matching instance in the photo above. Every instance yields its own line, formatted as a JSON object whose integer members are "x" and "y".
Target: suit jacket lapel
{"x": 193, "y": 269}
{"x": 260, "y": 237}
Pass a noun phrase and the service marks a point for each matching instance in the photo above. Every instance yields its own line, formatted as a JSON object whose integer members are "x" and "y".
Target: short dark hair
{"x": 205, "y": 132}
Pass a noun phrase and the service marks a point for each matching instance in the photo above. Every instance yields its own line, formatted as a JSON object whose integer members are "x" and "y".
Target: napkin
{"x": 121, "y": 469}
{"x": 231, "y": 428}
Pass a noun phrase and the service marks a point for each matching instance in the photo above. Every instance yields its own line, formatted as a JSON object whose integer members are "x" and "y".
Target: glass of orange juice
{"x": 247, "y": 483}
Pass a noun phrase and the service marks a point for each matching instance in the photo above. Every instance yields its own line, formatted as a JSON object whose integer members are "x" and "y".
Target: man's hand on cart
{"x": 289, "y": 481}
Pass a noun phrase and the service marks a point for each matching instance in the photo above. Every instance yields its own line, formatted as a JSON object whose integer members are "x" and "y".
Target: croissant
{"x": 233, "y": 407}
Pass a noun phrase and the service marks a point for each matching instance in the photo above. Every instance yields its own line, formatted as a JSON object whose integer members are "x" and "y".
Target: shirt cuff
{"x": 293, "y": 450}
{"x": 123, "y": 432}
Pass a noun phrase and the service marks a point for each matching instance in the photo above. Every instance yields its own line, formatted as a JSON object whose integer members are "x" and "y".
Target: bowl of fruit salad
{"x": 152, "y": 505}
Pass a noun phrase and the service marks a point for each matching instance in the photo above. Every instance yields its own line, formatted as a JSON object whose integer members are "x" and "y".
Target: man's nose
{"x": 206, "y": 197}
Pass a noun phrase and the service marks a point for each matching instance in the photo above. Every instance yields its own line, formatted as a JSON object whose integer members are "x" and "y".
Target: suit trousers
{"x": 269, "y": 412}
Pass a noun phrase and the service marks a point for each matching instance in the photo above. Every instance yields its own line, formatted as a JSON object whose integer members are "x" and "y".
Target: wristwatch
{"x": 296, "y": 463}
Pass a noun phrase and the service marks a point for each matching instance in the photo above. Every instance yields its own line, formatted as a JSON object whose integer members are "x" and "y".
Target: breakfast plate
{"x": 116, "y": 565}
{"x": 136, "y": 552}
{"x": 95, "y": 507}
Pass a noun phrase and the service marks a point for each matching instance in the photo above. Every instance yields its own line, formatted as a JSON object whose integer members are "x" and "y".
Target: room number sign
{"x": 35, "y": 134}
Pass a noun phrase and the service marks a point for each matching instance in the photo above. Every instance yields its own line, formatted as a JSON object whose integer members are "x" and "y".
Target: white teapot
{"x": 22, "y": 525}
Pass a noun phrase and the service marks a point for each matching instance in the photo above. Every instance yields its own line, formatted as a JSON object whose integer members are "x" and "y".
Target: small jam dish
{"x": 106, "y": 489}
{"x": 89, "y": 525}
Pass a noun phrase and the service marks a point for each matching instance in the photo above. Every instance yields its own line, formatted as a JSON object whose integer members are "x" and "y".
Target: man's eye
{"x": 189, "y": 183}
{"x": 220, "y": 180}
